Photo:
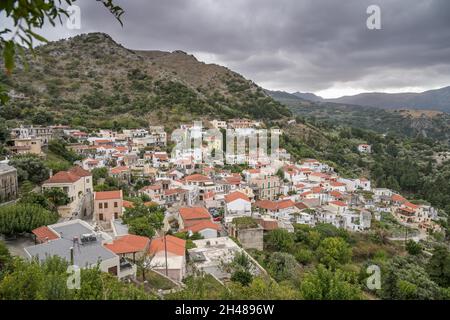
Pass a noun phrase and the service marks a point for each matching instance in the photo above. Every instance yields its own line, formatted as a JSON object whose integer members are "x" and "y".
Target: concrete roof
{"x": 6, "y": 168}
{"x": 84, "y": 254}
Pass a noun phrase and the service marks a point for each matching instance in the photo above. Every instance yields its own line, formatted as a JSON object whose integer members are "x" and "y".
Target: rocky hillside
{"x": 91, "y": 80}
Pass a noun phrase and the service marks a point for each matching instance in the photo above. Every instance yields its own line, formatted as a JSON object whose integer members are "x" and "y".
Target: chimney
{"x": 51, "y": 173}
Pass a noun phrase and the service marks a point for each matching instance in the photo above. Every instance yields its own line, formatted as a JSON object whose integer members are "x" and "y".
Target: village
{"x": 213, "y": 210}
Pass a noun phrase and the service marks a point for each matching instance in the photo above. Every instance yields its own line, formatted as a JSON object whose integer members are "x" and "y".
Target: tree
{"x": 240, "y": 267}
{"x": 403, "y": 279}
{"x": 438, "y": 266}
{"x": 413, "y": 247}
{"x": 282, "y": 266}
{"x": 244, "y": 277}
{"x": 30, "y": 168}
{"x": 144, "y": 220}
{"x": 279, "y": 240}
{"x": 99, "y": 173}
{"x": 58, "y": 147}
{"x": 20, "y": 218}
{"x": 261, "y": 288}
{"x": 334, "y": 251}
{"x": 141, "y": 227}
{"x": 303, "y": 255}
{"x": 34, "y": 280}
{"x": 324, "y": 284}
{"x": 57, "y": 196}
{"x": 36, "y": 199}
{"x": 5, "y": 259}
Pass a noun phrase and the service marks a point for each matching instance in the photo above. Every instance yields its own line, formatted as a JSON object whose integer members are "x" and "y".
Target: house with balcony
{"x": 77, "y": 184}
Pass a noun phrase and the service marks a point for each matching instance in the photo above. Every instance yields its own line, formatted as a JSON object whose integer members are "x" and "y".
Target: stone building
{"x": 8, "y": 183}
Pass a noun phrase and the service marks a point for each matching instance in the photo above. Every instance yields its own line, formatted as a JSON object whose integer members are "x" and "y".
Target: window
{"x": 100, "y": 205}
{"x": 106, "y": 205}
{"x": 116, "y": 204}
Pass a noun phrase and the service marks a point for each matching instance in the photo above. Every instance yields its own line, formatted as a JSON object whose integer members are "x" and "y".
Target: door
{"x": 100, "y": 216}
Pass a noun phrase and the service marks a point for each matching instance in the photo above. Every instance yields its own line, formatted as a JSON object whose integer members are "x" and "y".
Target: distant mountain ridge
{"x": 405, "y": 122}
{"x": 437, "y": 99}
{"x": 308, "y": 96}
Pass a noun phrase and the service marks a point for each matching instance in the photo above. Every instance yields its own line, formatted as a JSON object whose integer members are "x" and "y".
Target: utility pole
{"x": 406, "y": 235}
{"x": 165, "y": 252}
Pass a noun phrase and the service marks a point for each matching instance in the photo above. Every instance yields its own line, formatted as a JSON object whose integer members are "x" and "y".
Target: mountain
{"x": 308, "y": 96}
{"x": 92, "y": 81}
{"x": 438, "y": 99}
{"x": 408, "y": 123}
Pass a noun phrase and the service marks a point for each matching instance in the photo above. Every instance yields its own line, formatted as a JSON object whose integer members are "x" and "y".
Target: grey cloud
{"x": 307, "y": 45}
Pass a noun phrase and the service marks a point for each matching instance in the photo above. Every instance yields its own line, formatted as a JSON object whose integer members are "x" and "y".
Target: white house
{"x": 237, "y": 204}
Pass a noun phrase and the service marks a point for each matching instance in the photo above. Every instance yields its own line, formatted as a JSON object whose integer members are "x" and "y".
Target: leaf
{"x": 8, "y": 56}
{"x": 37, "y": 36}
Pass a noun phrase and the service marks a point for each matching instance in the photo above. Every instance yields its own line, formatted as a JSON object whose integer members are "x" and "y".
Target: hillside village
{"x": 211, "y": 212}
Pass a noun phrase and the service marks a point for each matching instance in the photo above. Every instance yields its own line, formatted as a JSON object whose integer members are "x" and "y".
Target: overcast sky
{"x": 320, "y": 46}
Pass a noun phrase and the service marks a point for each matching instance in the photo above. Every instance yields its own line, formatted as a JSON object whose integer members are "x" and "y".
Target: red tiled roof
{"x": 118, "y": 170}
{"x": 202, "y": 225}
{"x": 411, "y": 205}
{"x": 272, "y": 205}
{"x": 233, "y": 180}
{"x": 398, "y": 198}
{"x": 127, "y": 204}
{"x": 337, "y": 184}
{"x": 316, "y": 189}
{"x": 320, "y": 174}
{"x": 234, "y": 196}
{"x": 197, "y": 177}
{"x": 336, "y": 194}
{"x": 128, "y": 244}
{"x": 194, "y": 213}
{"x": 174, "y": 245}
{"x": 79, "y": 171}
{"x": 301, "y": 205}
{"x": 152, "y": 187}
{"x": 63, "y": 177}
{"x": 169, "y": 192}
{"x": 108, "y": 195}
{"x": 44, "y": 233}
{"x": 338, "y": 203}
{"x": 161, "y": 156}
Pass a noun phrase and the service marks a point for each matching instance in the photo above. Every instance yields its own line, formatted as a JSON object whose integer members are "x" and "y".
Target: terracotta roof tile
{"x": 44, "y": 233}
{"x": 175, "y": 245}
{"x": 194, "y": 213}
{"x": 128, "y": 244}
{"x": 234, "y": 196}
{"x": 108, "y": 195}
